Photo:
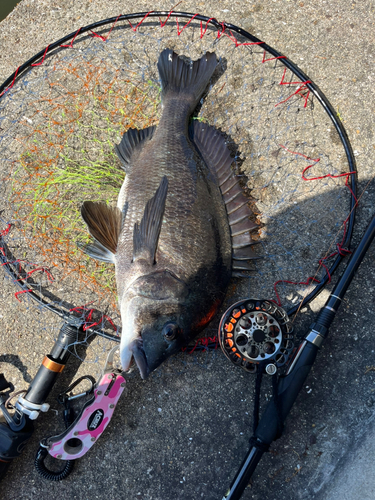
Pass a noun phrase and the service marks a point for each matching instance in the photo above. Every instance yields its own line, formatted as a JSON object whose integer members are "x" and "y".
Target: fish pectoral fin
{"x": 104, "y": 224}
{"x": 131, "y": 144}
{"x": 146, "y": 234}
{"x": 97, "y": 251}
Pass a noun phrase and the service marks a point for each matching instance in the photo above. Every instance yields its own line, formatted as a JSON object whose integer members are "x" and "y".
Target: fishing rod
{"x": 267, "y": 326}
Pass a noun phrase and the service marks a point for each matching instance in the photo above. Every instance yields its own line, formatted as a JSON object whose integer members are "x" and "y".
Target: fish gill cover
{"x": 61, "y": 118}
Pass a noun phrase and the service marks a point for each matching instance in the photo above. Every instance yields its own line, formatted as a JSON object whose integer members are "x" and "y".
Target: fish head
{"x": 155, "y": 323}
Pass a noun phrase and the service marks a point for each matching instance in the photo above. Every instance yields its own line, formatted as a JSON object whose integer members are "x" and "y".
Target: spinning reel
{"x": 257, "y": 331}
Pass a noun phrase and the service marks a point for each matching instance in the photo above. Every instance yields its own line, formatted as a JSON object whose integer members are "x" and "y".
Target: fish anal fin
{"x": 240, "y": 214}
{"x": 242, "y": 274}
{"x": 243, "y": 240}
{"x": 236, "y": 203}
{"x": 232, "y": 193}
{"x": 131, "y": 144}
{"x": 245, "y": 253}
{"x": 103, "y": 222}
{"x": 146, "y": 234}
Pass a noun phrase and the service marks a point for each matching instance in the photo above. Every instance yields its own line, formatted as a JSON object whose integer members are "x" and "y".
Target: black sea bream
{"x": 181, "y": 223}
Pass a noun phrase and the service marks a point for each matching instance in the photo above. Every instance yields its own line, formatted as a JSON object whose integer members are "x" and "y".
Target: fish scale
{"x": 186, "y": 218}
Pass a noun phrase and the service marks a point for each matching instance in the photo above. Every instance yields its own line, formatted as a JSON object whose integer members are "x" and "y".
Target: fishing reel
{"x": 254, "y": 333}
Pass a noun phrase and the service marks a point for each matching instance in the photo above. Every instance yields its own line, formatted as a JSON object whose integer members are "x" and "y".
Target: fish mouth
{"x": 148, "y": 298}
{"x": 149, "y": 352}
{"x": 140, "y": 357}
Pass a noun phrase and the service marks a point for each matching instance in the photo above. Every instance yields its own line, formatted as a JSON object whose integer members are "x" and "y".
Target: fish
{"x": 181, "y": 227}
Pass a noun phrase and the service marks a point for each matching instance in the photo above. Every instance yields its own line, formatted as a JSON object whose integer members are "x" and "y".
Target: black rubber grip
{"x": 4, "y": 384}
{"x": 325, "y": 319}
{"x": 288, "y": 389}
{"x": 275, "y": 414}
{"x": 45, "y": 379}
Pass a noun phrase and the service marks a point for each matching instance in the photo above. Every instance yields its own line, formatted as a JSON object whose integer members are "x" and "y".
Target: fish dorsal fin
{"x": 146, "y": 234}
{"x": 131, "y": 143}
{"x": 212, "y": 147}
{"x": 104, "y": 224}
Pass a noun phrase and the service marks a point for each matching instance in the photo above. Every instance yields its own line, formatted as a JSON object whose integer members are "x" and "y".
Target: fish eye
{"x": 170, "y": 331}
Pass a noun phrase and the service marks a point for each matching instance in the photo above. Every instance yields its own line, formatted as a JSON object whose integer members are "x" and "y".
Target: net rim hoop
{"x": 313, "y": 88}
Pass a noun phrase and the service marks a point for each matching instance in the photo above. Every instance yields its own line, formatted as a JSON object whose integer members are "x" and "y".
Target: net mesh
{"x": 60, "y": 120}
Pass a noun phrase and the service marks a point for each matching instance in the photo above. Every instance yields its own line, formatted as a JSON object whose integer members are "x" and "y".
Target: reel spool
{"x": 256, "y": 331}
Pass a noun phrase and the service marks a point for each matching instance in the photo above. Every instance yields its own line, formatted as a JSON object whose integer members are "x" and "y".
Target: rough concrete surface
{"x": 183, "y": 432}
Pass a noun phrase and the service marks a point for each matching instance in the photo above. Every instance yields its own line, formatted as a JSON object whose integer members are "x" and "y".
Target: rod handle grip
{"x": 288, "y": 389}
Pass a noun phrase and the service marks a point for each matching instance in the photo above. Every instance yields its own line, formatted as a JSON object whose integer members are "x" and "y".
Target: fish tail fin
{"x": 178, "y": 76}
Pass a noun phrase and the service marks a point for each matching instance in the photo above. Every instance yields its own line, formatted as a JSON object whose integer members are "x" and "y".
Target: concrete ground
{"x": 183, "y": 432}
